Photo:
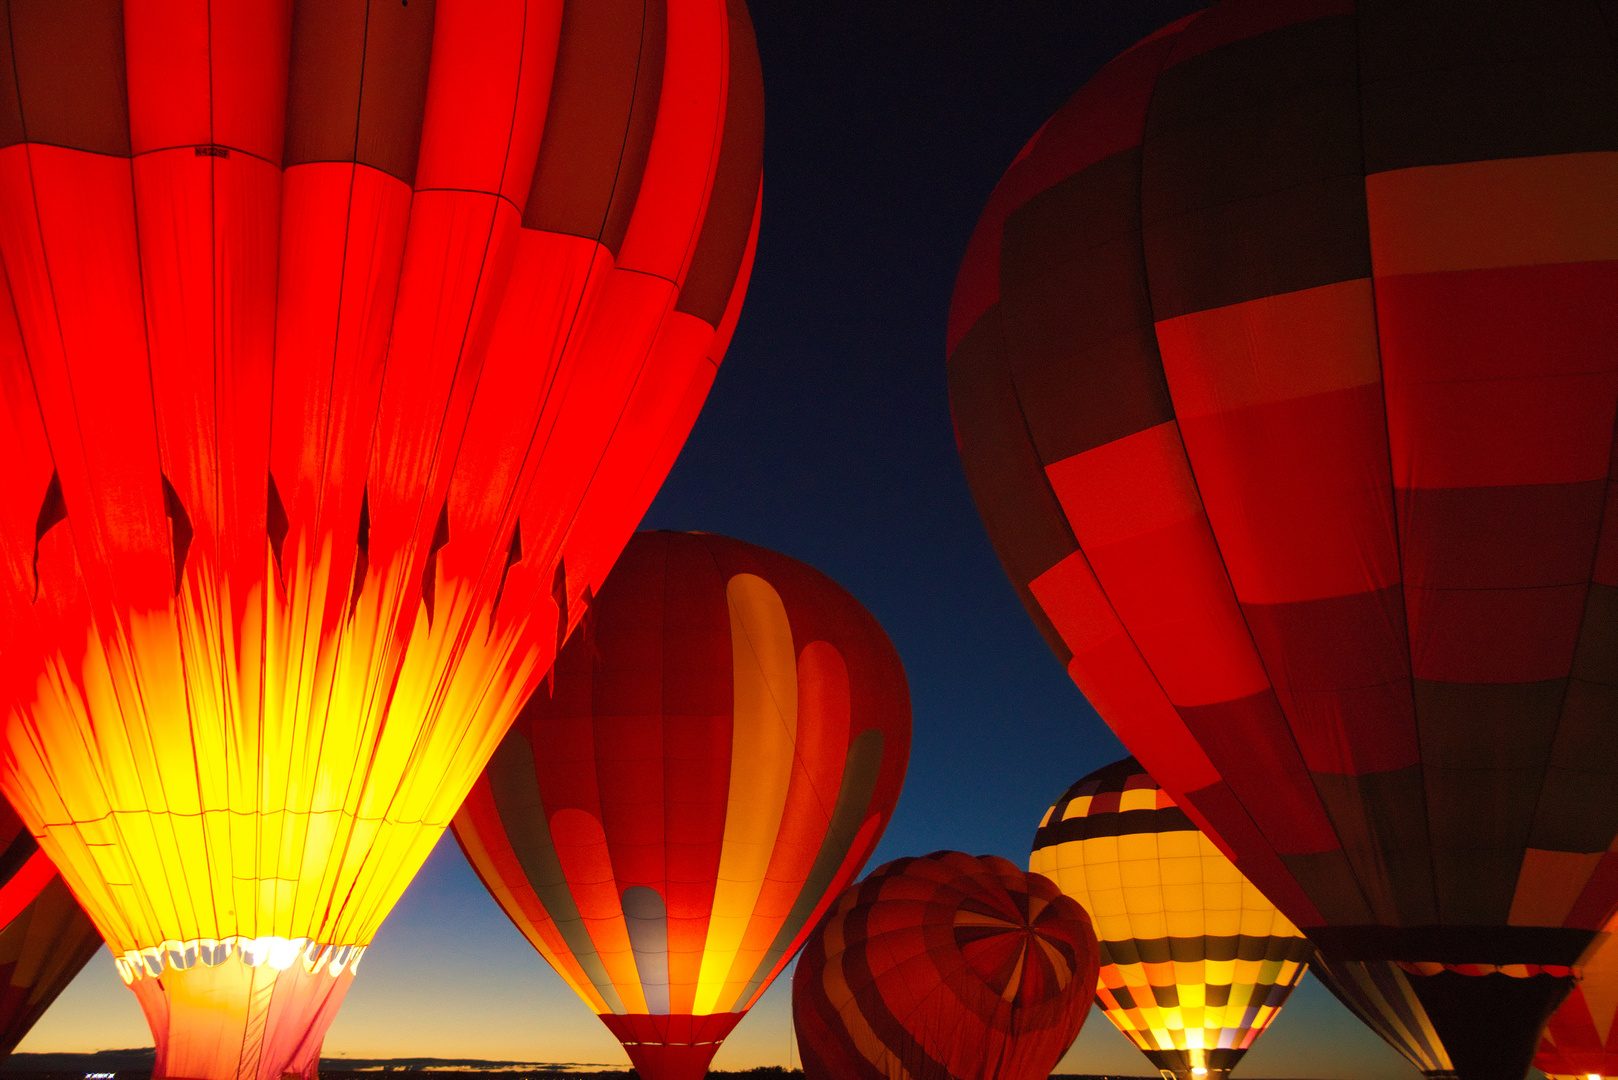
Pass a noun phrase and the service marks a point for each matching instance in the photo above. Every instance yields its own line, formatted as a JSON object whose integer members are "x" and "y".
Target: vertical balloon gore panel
{"x": 345, "y": 343}
{"x": 275, "y": 1019}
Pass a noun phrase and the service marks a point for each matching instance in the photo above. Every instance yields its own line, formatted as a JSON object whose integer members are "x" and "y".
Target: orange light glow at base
{"x": 254, "y": 1022}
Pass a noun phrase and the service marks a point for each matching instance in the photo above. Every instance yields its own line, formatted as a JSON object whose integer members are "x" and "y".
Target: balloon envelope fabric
{"x": 944, "y": 967}
{"x": 344, "y": 343}
{"x": 1284, "y": 367}
{"x": 1195, "y": 962}
{"x": 723, "y": 746}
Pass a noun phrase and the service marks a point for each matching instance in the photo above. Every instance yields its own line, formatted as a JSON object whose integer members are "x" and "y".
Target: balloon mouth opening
{"x": 279, "y": 952}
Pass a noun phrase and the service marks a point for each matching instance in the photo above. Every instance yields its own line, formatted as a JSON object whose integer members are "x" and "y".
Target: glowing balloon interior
{"x": 344, "y": 345}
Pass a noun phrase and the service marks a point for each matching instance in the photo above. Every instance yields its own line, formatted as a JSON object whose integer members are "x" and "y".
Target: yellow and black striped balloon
{"x": 1195, "y": 962}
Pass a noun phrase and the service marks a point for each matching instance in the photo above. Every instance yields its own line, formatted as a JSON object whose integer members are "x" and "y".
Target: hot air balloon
{"x": 944, "y": 967}
{"x": 1284, "y": 369}
{"x": 1195, "y": 962}
{"x": 45, "y": 937}
{"x": 345, "y": 342}
{"x": 721, "y": 749}
{"x": 1580, "y": 1041}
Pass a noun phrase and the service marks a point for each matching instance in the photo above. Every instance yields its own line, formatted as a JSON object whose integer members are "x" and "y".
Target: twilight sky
{"x": 827, "y": 437}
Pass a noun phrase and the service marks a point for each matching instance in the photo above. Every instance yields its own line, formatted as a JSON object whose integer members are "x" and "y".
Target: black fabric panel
{"x": 1251, "y": 170}
{"x": 1484, "y": 750}
{"x": 62, "y": 75}
{"x": 1194, "y": 949}
{"x": 1118, "y": 823}
{"x": 1381, "y": 819}
{"x": 1596, "y": 658}
{"x": 1328, "y": 879}
{"x": 1108, "y": 778}
{"x": 1576, "y": 810}
{"x": 1253, "y": 117}
{"x": 1023, "y": 519}
{"x": 1460, "y": 80}
{"x": 1077, "y": 314}
{"x": 729, "y": 220}
{"x": 1498, "y": 944}
{"x": 1334, "y": 643}
{"x": 598, "y": 126}
{"x": 357, "y": 87}
{"x": 17, "y": 853}
{"x": 1514, "y": 537}
{"x": 1300, "y": 238}
{"x": 1490, "y": 1024}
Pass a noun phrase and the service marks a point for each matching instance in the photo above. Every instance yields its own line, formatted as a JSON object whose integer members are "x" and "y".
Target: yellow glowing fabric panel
{"x": 765, "y": 674}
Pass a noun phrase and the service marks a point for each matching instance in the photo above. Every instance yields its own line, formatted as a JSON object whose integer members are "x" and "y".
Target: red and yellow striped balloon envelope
{"x": 720, "y": 751}
{"x": 1284, "y": 368}
{"x": 944, "y": 967}
{"x": 342, "y": 344}
{"x": 1195, "y": 962}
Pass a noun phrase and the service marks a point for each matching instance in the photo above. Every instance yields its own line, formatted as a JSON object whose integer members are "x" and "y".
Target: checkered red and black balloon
{"x": 944, "y": 967}
{"x": 1284, "y": 368}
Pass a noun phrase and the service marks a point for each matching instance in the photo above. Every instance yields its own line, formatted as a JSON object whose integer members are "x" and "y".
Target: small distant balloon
{"x": 1195, "y": 962}
{"x": 944, "y": 967}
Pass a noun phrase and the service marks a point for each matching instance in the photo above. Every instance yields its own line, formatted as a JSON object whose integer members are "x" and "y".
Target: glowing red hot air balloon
{"x": 724, "y": 745}
{"x": 944, "y": 967}
{"x": 343, "y": 345}
{"x": 1284, "y": 366}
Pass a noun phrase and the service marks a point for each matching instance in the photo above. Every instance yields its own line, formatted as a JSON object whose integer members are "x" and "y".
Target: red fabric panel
{"x": 492, "y": 64}
{"x": 1481, "y": 396}
{"x": 1297, "y": 494}
{"x": 1598, "y": 900}
{"x": 1249, "y": 742}
{"x": 1342, "y": 674}
{"x": 1134, "y": 509}
{"x": 1114, "y": 677}
{"x": 201, "y": 74}
{"x": 1493, "y": 635}
{"x": 211, "y": 359}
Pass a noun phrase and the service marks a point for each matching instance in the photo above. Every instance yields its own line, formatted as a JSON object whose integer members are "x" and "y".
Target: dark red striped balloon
{"x": 944, "y": 967}
{"x": 1284, "y": 364}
